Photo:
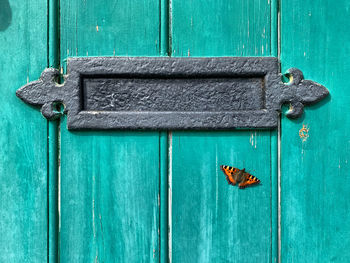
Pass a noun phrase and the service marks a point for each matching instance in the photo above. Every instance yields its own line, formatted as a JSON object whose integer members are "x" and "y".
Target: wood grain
{"x": 23, "y": 155}
{"x": 315, "y": 164}
{"x": 109, "y": 180}
{"x": 211, "y": 220}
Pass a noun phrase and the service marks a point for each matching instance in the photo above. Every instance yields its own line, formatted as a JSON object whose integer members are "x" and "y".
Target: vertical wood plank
{"x": 211, "y": 220}
{"x": 315, "y": 161}
{"x": 109, "y": 197}
{"x": 275, "y": 145}
{"x": 221, "y": 28}
{"x": 110, "y": 180}
{"x": 52, "y": 192}
{"x": 53, "y": 139}
{"x": 163, "y": 186}
{"x": 23, "y": 152}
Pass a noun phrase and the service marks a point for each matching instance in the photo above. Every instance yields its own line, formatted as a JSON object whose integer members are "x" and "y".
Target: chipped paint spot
{"x": 96, "y": 28}
{"x": 188, "y": 52}
{"x": 304, "y": 133}
{"x": 252, "y": 139}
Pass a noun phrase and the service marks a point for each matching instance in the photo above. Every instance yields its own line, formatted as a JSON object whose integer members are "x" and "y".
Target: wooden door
{"x": 314, "y": 203}
{"x": 159, "y": 196}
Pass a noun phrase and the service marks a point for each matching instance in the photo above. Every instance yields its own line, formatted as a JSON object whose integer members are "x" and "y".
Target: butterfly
{"x": 235, "y": 175}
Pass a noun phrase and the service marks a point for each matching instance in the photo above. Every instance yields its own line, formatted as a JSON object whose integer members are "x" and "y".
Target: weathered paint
{"x": 112, "y": 182}
{"x": 109, "y": 180}
{"x": 23, "y": 156}
{"x": 211, "y": 220}
{"x": 315, "y": 172}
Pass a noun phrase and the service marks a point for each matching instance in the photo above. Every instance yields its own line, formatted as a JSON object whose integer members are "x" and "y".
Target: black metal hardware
{"x": 171, "y": 93}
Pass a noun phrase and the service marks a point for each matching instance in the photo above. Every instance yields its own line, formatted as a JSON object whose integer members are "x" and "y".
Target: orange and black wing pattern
{"x": 235, "y": 175}
{"x": 229, "y": 173}
{"x": 248, "y": 180}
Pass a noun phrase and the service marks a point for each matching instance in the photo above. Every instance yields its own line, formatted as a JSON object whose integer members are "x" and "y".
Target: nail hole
{"x": 287, "y": 78}
{"x": 58, "y": 107}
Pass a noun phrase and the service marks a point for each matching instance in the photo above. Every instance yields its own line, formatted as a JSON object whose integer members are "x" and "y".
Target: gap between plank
{"x": 170, "y": 177}
{"x": 279, "y": 134}
{"x": 163, "y": 197}
{"x": 279, "y": 188}
{"x": 53, "y": 137}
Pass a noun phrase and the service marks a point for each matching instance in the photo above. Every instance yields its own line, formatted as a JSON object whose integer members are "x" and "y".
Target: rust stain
{"x": 304, "y": 133}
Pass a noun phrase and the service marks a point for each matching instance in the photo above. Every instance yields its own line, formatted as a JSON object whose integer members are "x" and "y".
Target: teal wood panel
{"x": 315, "y": 171}
{"x": 109, "y": 28}
{"x": 211, "y": 220}
{"x": 222, "y": 28}
{"x": 109, "y": 180}
{"x": 109, "y": 197}
{"x": 23, "y": 134}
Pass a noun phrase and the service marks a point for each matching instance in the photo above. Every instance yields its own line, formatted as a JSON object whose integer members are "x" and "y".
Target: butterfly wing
{"x": 230, "y": 173}
{"x": 248, "y": 180}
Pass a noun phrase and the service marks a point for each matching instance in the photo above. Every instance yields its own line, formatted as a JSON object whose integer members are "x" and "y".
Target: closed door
{"x": 160, "y": 196}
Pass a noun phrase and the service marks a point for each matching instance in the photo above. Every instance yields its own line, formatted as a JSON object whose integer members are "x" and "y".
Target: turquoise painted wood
{"x": 121, "y": 192}
{"x": 109, "y": 197}
{"x": 23, "y": 134}
{"x": 109, "y": 180}
{"x": 315, "y": 171}
{"x": 211, "y": 220}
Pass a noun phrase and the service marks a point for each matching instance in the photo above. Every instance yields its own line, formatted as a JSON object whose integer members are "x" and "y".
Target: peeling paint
{"x": 253, "y": 139}
{"x": 304, "y": 133}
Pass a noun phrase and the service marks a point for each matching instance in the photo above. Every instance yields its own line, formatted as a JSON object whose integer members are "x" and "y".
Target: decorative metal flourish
{"x": 171, "y": 93}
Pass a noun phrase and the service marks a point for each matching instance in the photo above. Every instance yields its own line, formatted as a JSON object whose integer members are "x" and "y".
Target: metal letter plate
{"x": 171, "y": 93}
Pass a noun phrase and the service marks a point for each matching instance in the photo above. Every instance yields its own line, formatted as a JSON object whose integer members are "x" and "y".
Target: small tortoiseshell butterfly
{"x": 234, "y": 175}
